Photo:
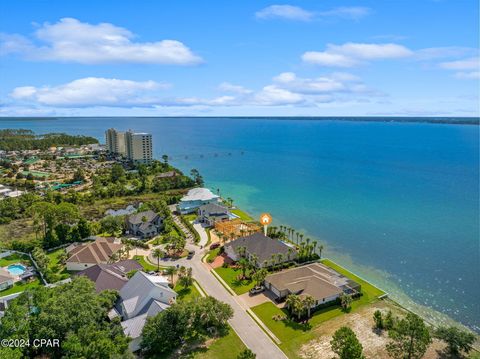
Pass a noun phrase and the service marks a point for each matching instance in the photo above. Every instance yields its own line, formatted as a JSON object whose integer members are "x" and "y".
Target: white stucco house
{"x": 195, "y": 198}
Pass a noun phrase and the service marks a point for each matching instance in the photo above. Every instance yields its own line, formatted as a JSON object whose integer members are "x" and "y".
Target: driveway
{"x": 203, "y": 234}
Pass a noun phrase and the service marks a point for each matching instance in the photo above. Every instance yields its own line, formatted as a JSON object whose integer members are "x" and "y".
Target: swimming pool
{"x": 16, "y": 269}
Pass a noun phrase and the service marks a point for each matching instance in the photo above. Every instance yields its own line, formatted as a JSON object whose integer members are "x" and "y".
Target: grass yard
{"x": 186, "y": 294}
{"x": 292, "y": 334}
{"x": 147, "y": 267}
{"x": 55, "y": 266}
{"x": 20, "y": 287}
{"x": 244, "y": 216}
{"x": 191, "y": 217}
{"x": 229, "y": 275}
{"x": 226, "y": 347}
{"x": 212, "y": 255}
{"x": 14, "y": 258}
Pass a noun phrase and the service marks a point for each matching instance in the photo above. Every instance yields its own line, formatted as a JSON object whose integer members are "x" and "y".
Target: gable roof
{"x": 199, "y": 194}
{"x": 110, "y": 276}
{"x": 260, "y": 245}
{"x": 314, "y": 279}
{"x": 98, "y": 251}
{"x": 137, "y": 217}
{"x": 214, "y": 209}
{"x": 136, "y": 294}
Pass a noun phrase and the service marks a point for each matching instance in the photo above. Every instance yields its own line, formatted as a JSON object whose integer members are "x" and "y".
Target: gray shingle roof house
{"x": 110, "y": 276}
{"x": 212, "y": 213}
{"x": 265, "y": 248}
{"x": 141, "y": 297}
{"x": 145, "y": 224}
{"x": 317, "y": 280}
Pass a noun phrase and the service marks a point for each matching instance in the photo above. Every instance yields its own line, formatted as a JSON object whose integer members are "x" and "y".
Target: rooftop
{"x": 260, "y": 245}
{"x": 199, "y": 194}
{"x": 98, "y": 251}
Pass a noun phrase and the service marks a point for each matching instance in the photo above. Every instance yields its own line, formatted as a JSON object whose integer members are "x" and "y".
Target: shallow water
{"x": 395, "y": 202}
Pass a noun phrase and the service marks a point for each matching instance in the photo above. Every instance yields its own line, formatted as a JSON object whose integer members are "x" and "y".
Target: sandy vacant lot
{"x": 361, "y": 323}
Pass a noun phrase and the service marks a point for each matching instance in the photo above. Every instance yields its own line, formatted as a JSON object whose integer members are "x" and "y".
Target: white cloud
{"x": 295, "y": 13}
{"x": 272, "y": 95}
{"x": 288, "y": 12}
{"x": 70, "y": 40}
{"x": 353, "y": 54}
{"x": 465, "y": 64}
{"x": 90, "y": 91}
{"x": 348, "y": 12}
{"x": 228, "y": 87}
{"x": 472, "y": 75}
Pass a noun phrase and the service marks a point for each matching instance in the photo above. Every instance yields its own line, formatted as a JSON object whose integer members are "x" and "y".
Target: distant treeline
{"x": 21, "y": 139}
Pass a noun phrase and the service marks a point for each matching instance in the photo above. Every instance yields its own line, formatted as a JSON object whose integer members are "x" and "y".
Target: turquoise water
{"x": 16, "y": 269}
{"x": 395, "y": 202}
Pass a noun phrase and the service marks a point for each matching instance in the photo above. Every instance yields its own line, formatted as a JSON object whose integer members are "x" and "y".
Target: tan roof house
{"x": 85, "y": 255}
{"x": 6, "y": 279}
{"x": 316, "y": 280}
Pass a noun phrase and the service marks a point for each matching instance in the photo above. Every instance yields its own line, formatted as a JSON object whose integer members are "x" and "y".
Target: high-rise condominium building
{"x": 115, "y": 141}
{"x": 138, "y": 146}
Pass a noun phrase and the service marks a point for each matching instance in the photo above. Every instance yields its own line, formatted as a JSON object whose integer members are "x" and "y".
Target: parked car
{"x": 214, "y": 245}
{"x": 190, "y": 254}
{"x": 256, "y": 290}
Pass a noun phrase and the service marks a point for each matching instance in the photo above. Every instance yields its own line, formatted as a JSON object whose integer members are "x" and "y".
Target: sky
{"x": 239, "y": 58}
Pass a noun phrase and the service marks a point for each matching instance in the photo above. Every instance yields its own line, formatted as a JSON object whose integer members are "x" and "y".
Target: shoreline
{"x": 430, "y": 315}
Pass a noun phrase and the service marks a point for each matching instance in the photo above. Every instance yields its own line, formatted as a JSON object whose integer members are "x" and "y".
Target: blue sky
{"x": 216, "y": 58}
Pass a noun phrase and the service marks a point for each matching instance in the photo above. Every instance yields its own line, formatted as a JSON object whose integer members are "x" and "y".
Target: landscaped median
{"x": 292, "y": 334}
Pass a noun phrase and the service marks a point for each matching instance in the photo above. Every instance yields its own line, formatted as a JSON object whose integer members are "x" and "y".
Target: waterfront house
{"x": 195, "y": 198}
{"x": 266, "y": 250}
{"x": 211, "y": 213}
{"x": 110, "y": 276}
{"x": 6, "y": 279}
{"x": 145, "y": 224}
{"x": 316, "y": 280}
{"x": 85, "y": 255}
{"x": 141, "y": 297}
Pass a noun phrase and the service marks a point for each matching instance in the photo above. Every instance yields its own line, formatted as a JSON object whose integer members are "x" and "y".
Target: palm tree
{"x": 346, "y": 301}
{"x": 314, "y": 246}
{"x": 320, "y": 249}
{"x": 297, "y": 234}
{"x": 114, "y": 257}
{"x": 292, "y": 303}
{"x": 157, "y": 253}
{"x": 289, "y": 253}
{"x": 280, "y": 258}
{"x": 171, "y": 271}
{"x": 243, "y": 264}
{"x": 128, "y": 247}
{"x": 301, "y": 237}
{"x": 185, "y": 278}
{"x": 308, "y": 302}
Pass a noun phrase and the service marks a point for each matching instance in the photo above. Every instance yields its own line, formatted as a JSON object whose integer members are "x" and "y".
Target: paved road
{"x": 246, "y": 328}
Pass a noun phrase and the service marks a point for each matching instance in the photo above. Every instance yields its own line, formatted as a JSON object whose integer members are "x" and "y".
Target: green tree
{"x": 41, "y": 259}
{"x": 389, "y": 321}
{"x": 117, "y": 173}
{"x": 185, "y": 277}
{"x": 346, "y": 301}
{"x": 158, "y": 253}
{"x": 457, "y": 340}
{"x": 410, "y": 338}
{"x": 165, "y": 159}
{"x": 378, "y": 319}
{"x": 72, "y": 313}
{"x": 294, "y": 305}
{"x": 346, "y": 345}
{"x": 308, "y": 302}
{"x": 111, "y": 225}
{"x": 259, "y": 276}
{"x": 246, "y": 354}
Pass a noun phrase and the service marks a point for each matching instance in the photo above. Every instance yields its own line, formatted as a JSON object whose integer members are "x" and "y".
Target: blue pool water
{"x": 397, "y": 203}
{"x": 16, "y": 269}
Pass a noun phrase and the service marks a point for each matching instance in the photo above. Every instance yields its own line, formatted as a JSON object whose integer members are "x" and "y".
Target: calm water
{"x": 395, "y": 202}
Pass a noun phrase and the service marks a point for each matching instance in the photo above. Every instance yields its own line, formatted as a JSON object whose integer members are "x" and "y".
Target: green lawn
{"x": 190, "y": 217}
{"x": 229, "y": 275}
{"x": 243, "y": 215}
{"x": 20, "y": 287}
{"x": 292, "y": 334}
{"x": 212, "y": 255}
{"x": 55, "y": 266}
{"x": 226, "y": 347}
{"x": 186, "y": 294}
{"x": 147, "y": 267}
{"x": 14, "y": 258}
